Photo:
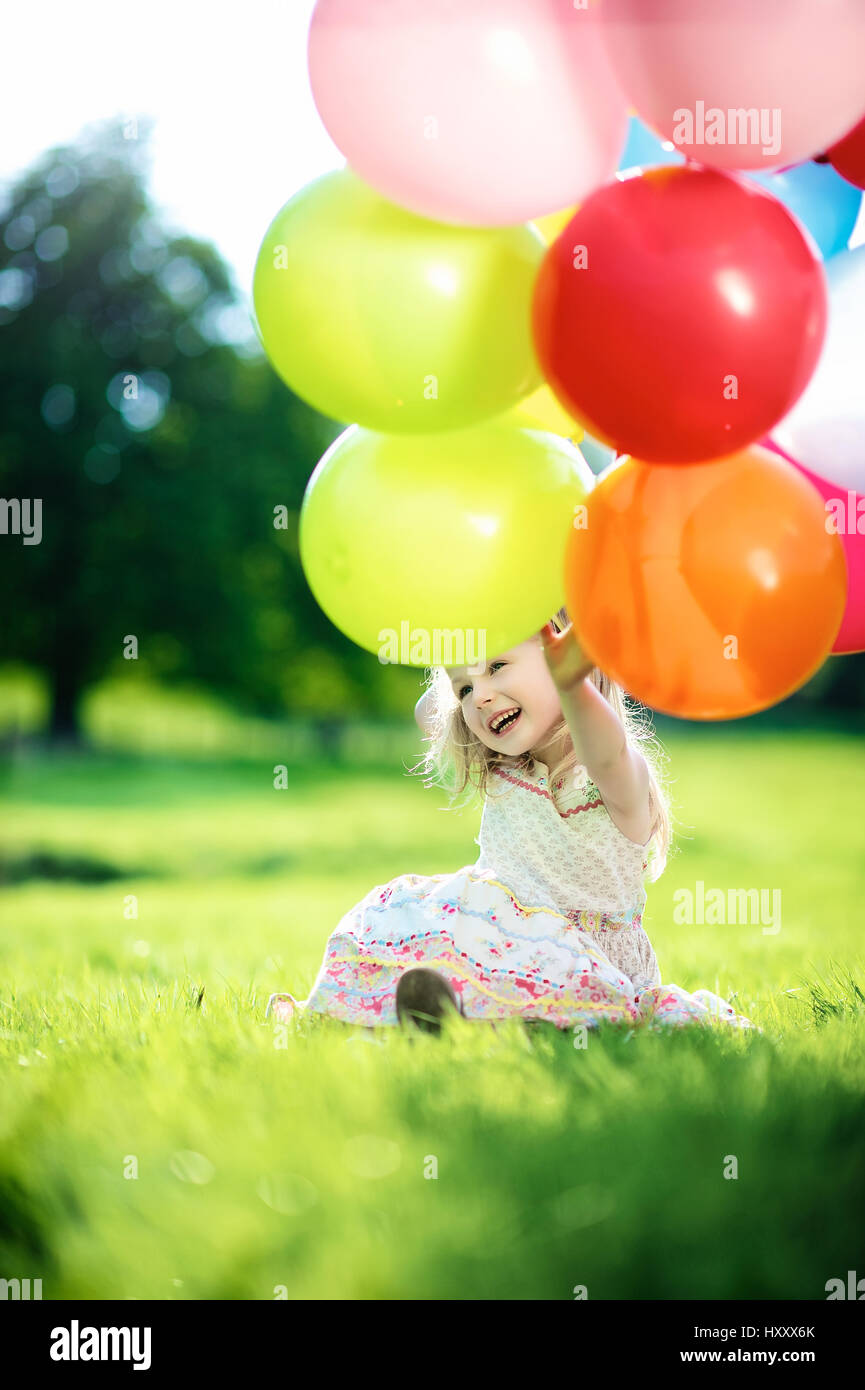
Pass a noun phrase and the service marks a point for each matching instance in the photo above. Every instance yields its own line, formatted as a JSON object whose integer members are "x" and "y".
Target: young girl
{"x": 547, "y": 924}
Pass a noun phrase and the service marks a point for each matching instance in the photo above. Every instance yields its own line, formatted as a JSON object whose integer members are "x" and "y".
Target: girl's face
{"x": 518, "y": 680}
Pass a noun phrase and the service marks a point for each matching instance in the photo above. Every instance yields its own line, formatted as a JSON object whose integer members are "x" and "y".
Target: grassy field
{"x": 160, "y": 1139}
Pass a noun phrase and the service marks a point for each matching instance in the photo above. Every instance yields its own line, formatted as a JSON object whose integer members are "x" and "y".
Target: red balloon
{"x": 848, "y": 156}
{"x": 680, "y": 313}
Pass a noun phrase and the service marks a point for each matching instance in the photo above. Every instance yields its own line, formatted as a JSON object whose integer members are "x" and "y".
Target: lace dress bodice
{"x": 566, "y": 852}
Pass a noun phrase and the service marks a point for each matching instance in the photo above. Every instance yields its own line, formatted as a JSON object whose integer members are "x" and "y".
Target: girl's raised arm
{"x": 619, "y": 771}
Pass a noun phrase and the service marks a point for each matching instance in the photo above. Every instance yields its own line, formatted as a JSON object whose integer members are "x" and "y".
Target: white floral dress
{"x": 546, "y": 924}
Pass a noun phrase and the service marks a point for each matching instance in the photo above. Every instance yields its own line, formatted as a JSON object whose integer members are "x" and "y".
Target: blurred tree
{"x": 134, "y": 404}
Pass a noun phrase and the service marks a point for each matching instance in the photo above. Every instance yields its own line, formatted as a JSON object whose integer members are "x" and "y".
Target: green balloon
{"x": 373, "y": 314}
{"x": 404, "y": 539}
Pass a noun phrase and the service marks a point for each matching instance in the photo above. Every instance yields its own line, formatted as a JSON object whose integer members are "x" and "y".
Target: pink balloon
{"x": 479, "y": 112}
{"x": 798, "y": 64}
{"x": 847, "y": 515}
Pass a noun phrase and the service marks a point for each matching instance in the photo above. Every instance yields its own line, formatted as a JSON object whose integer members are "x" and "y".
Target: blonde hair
{"x": 453, "y": 749}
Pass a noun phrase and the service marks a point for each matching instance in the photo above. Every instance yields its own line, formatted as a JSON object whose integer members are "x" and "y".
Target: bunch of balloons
{"x": 620, "y": 225}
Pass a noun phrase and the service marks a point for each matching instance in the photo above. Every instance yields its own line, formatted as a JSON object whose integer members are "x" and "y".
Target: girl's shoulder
{"x": 575, "y": 789}
{"x": 571, "y": 788}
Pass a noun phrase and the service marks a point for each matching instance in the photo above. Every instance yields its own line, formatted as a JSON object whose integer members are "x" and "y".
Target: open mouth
{"x": 506, "y": 725}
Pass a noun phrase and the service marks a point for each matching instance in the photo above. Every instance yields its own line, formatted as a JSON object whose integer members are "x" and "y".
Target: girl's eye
{"x": 468, "y": 687}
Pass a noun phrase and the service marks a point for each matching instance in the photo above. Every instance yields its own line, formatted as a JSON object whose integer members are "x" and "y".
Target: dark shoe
{"x": 423, "y": 998}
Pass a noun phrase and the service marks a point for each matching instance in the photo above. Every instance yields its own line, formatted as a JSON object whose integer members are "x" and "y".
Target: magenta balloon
{"x": 480, "y": 112}
{"x": 849, "y": 511}
{"x": 799, "y": 65}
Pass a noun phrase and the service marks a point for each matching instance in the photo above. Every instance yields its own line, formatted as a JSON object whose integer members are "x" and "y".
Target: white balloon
{"x": 825, "y": 430}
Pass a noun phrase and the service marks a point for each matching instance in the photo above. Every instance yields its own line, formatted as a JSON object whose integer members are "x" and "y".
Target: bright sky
{"x": 237, "y": 130}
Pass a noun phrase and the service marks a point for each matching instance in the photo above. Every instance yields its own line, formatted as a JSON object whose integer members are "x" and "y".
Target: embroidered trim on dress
{"x": 526, "y": 979}
{"x": 607, "y": 921}
{"x": 542, "y": 791}
{"x": 573, "y": 810}
{"x": 585, "y": 919}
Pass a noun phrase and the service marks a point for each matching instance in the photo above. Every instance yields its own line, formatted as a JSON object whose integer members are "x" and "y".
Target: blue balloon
{"x": 824, "y": 202}
{"x": 644, "y": 149}
{"x": 597, "y": 455}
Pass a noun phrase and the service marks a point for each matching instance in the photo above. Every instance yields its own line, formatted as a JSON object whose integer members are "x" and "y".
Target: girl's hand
{"x": 566, "y": 660}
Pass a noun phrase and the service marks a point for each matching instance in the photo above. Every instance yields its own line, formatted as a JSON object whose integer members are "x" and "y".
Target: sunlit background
{"x": 216, "y": 116}
{"x": 236, "y": 131}
{"x": 159, "y": 881}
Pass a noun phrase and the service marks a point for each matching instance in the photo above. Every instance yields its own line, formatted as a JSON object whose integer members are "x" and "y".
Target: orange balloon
{"x": 708, "y": 591}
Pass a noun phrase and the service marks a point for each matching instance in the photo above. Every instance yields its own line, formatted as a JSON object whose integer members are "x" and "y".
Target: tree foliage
{"x": 160, "y": 450}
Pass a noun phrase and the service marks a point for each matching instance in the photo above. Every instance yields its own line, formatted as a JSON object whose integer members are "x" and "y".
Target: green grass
{"x": 301, "y": 1159}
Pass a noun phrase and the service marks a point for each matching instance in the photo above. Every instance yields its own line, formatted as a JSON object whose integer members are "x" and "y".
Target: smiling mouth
{"x": 506, "y": 727}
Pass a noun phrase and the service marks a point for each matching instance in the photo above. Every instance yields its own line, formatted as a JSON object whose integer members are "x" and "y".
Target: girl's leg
{"x": 283, "y": 1007}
